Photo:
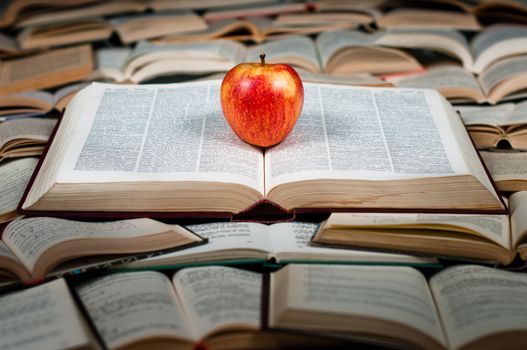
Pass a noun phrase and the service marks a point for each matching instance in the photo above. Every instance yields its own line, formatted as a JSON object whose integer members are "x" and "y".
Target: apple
{"x": 262, "y": 102}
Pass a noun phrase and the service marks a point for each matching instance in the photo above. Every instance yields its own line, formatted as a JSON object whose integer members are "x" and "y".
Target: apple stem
{"x": 262, "y": 59}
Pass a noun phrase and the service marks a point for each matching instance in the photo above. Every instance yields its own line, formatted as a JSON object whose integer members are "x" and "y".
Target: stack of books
{"x": 132, "y": 216}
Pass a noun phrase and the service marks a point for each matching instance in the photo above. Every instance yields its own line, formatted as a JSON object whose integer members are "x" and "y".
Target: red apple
{"x": 262, "y": 102}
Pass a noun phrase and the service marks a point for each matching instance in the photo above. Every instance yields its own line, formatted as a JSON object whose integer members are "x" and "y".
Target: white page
{"x": 366, "y": 133}
{"x": 223, "y": 236}
{"x": 41, "y": 318}
{"x": 14, "y": 177}
{"x": 217, "y": 297}
{"x": 294, "y": 237}
{"x": 171, "y": 132}
{"x": 126, "y": 307}
{"x": 397, "y": 294}
{"x": 475, "y": 301}
{"x": 29, "y": 238}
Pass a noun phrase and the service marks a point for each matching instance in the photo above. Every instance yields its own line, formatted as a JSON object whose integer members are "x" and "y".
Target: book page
{"x": 518, "y": 207}
{"x": 397, "y": 294}
{"x": 44, "y": 64}
{"x": 6, "y": 252}
{"x": 366, "y": 133}
{"x": 14, "y": 177}
{"x": 217, "y": 50}
{"x": 448, "y": 41}
{"x": 475, "y": 301}
{"x": 441, "y": 77}
{"x": 492, "y": 227}
{"x": 294, "y": 50}
{"x": 329, "y": 43}
{"x": 26, "y": 128}
{"x": 488, "y": 115}
{"x": 219, "y": 297}
{"x": 171, "y": 132}
{"x": 128, "y": 307}
{"x": 131, "y": 28}
{"x": 41, "y": 318}
{"x": 110, "y": 63}
{"x": 497, "y": 41}
{"x": 291, "y": 241}
{"x": 505, "y": 166}
{"x": 223, "y": 237}
{"x": 519, "y": 113}
{"x": 29, "y": 238}
{"x": 504, "y": 69}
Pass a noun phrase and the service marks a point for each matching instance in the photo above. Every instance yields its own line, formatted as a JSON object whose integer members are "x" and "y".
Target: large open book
{"x": 475, "y": 237}
{"x": 231, "y": 243}
{"x": 34, "y": 248}
{"x": 168, "y": 149}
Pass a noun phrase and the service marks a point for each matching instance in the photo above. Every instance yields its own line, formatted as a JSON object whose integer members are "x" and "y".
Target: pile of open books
{"x": 131, "y": 216}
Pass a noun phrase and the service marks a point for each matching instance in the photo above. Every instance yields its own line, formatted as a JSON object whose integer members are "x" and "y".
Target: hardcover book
{"x": 167, "y": 150}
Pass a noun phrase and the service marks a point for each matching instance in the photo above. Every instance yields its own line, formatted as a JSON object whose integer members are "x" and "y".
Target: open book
{"x": 33, "y": 103}
{"x": 502, "y": 81}
{"x": 14, "y": 178}
{"x": 350, "y": 149}
{"x": 129, "y": 28}
{"x": 47, "y": 69}
{"x": 476, "y": 237}
{"x": 462, "y": 307}
{"x": 503, "y": 126}
{"x": 282, "y": 243}
{"x": 24, "y": 137}
{"x": 508, "y": 169}
{"x": 487, "y": 47}
{"x": 34, "y": 248}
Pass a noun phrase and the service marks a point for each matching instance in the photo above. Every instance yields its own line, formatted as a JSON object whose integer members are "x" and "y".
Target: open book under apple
{"x": 168, "y": 149}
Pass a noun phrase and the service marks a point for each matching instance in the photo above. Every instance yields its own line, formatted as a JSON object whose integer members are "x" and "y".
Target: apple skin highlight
{"x": 262, "y": 102}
